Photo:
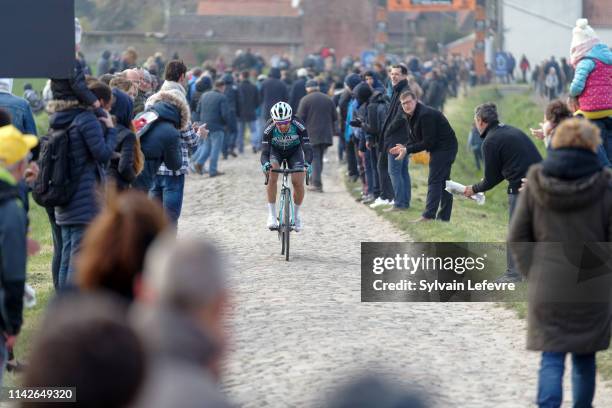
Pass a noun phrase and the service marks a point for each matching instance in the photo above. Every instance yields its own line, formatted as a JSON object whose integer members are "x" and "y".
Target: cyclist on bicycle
{"x": 285, "y": 138}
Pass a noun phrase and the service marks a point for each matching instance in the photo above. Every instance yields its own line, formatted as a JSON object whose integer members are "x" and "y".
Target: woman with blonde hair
{"x": 115, "y": 244}
{"x": 565, "y": 208}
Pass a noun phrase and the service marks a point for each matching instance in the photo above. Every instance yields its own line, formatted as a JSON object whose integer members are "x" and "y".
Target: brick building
{"x": 275, "y": 27}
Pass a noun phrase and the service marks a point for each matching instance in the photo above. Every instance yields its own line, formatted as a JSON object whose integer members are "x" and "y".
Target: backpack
{"x": 144, "y": 121}
{"x": 377, "y": 111}
{"x": 57, "y": 180}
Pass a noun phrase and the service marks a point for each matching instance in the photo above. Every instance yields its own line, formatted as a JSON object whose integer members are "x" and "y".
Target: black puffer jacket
{"x": 91, "y": 149}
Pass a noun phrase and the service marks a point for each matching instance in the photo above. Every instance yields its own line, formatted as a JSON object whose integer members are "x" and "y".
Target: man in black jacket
{"x": 395, "y": 131}
{"x": 508, "y": 153}
{"x": 318, "y": 112}
{"x": 430, "y": 131}
{"x": 273, "y": 90}
{"x": 247, "y": 116}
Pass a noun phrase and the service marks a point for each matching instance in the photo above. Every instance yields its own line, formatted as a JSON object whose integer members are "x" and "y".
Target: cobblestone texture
{"x": 298, "y": 329}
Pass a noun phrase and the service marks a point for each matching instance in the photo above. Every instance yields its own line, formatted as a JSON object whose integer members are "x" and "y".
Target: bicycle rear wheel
{"x": 281, "y": 230}
{"x": 287, "y": 222}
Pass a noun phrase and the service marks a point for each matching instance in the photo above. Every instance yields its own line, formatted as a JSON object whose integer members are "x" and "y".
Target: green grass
{"x": 42, "y": 119}
{"x": 471, "y": 222}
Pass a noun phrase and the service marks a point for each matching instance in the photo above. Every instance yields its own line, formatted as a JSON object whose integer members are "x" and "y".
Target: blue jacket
{"x": 214, "y": 110}
{"x": 12, "y": 254}
{"x": 584, "y": 68}
{"x": 91, "y": 150}
{"x": 349, "y": 130}
{"x": 161, "y": 143}
{"x": 20, "y": 111}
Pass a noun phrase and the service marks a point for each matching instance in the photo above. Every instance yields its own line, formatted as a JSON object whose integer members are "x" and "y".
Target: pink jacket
{"x": 597, "y": 94}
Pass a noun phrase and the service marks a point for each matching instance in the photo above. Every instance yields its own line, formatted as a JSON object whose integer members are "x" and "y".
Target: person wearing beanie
{"x": 203, "y": 85}
{"x": 592, "y": 84}
{"x": 352, "y": 80}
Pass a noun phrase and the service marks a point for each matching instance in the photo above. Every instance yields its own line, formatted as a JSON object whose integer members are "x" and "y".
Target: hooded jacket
{"x": 91, "y": 149}
{"x": 121, "y": 168}
{"x": 13, "y": 227}
{"x": 203, "y": 85}
{"x": 161, "y": 143}
{"x": 377, "y": 109}
{"x": 567, "y": 203}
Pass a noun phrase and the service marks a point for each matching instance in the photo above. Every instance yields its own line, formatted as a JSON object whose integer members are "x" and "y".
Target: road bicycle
{"x": 286, "y": 215}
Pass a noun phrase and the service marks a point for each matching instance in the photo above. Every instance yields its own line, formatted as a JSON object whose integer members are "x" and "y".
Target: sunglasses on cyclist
{"x": 282, "y": 122}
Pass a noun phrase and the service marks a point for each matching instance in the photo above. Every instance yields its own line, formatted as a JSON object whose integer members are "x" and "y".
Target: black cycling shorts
{"x": 295, "y": 160}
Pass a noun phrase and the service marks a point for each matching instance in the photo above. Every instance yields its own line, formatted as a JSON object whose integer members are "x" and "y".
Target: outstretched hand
{"x": 399, "y": 151}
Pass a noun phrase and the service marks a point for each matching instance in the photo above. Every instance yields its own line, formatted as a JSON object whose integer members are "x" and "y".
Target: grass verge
{"x": 471, "y": 222}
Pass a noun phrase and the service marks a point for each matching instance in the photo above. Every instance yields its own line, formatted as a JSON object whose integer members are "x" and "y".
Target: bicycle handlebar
{"x": 287, "y": 171}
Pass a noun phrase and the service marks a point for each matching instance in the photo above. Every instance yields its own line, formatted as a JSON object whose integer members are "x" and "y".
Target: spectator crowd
{"x": 139, "y": 317}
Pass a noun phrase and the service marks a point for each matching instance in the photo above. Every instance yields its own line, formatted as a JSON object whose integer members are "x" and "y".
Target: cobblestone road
{"x": 299, "y": 329}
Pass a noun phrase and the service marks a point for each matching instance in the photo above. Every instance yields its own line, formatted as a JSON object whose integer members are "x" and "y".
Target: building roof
{"x": 274, "y": 8}
{"x": 599, "y": 12}
{"x": 237, "y": 29}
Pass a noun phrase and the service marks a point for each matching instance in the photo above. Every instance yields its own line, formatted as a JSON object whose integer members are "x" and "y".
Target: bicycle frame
{"x": 286, "y": 222}
{"x": 285, "y": 187}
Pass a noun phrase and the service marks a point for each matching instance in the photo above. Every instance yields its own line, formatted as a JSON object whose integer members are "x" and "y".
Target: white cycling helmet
{"x": 281, "y": 111}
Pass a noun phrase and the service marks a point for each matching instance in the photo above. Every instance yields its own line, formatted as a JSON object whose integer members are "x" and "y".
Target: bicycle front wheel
{"x": 287, "y": 222}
